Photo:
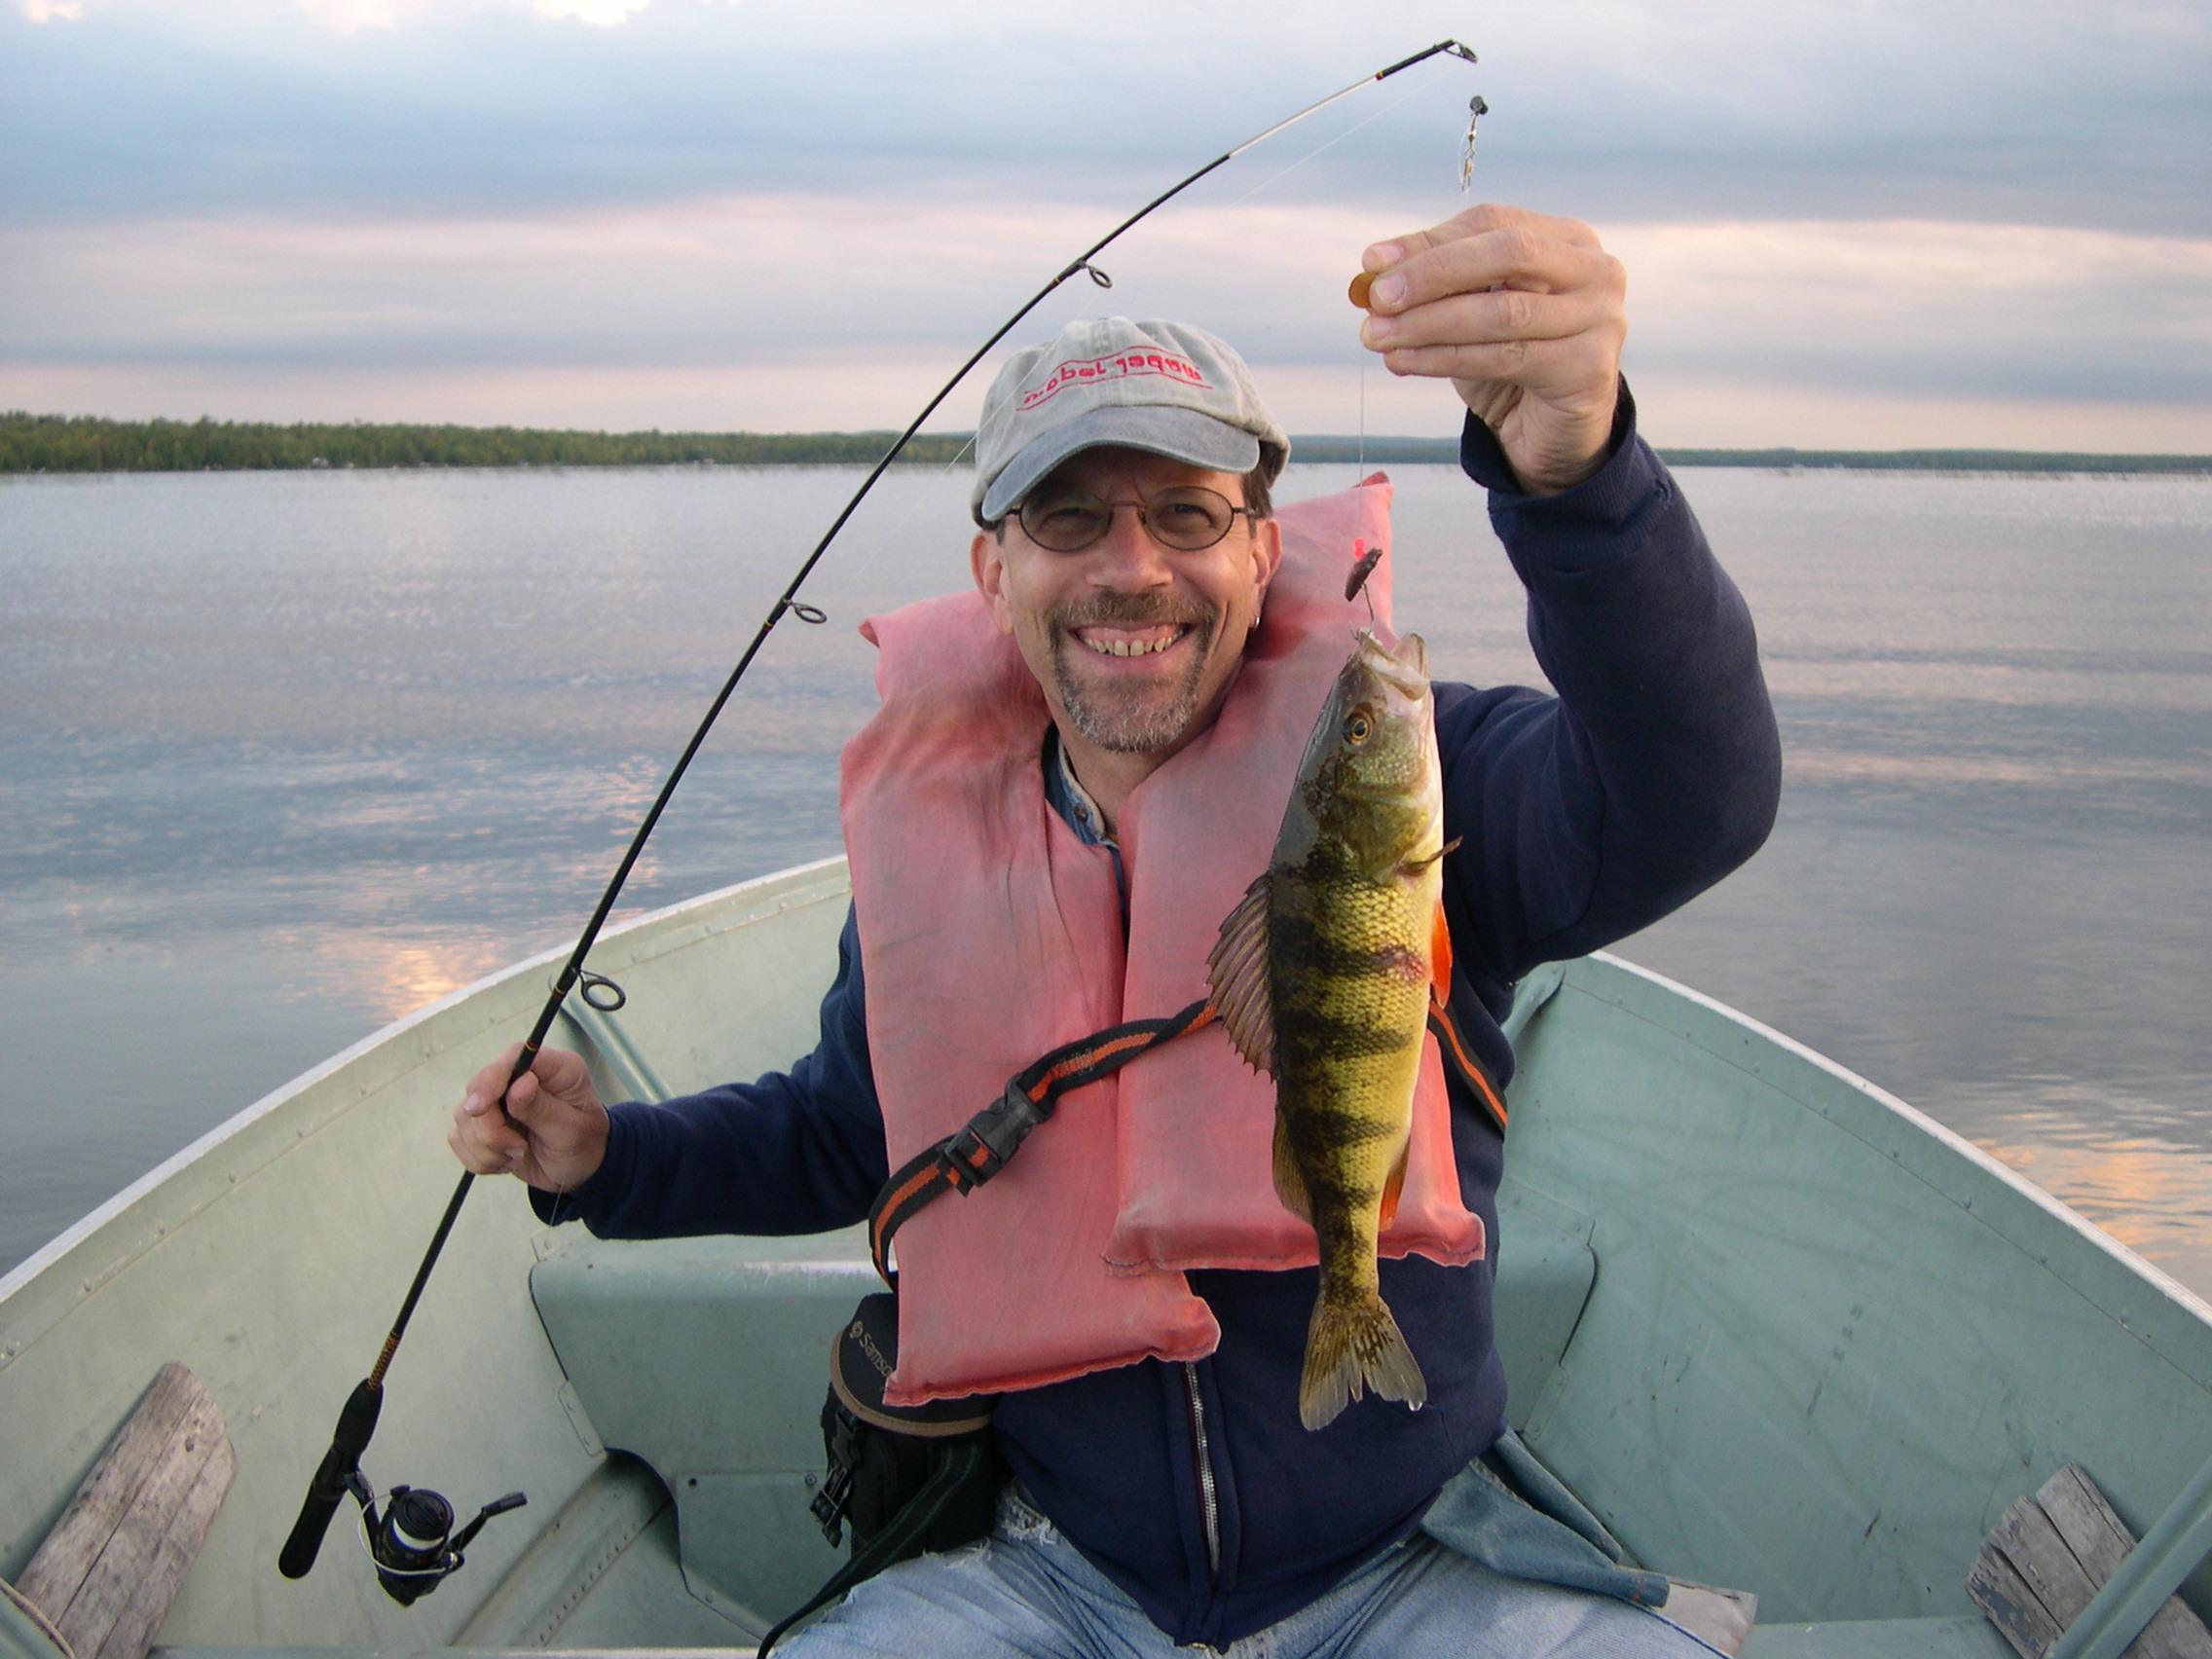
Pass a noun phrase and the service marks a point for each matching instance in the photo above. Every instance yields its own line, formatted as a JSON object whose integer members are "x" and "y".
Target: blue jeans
{"x": 1026, "y": 1591}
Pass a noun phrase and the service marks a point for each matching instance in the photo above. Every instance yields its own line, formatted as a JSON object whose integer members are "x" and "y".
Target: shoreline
{"x": 35, "y": 444}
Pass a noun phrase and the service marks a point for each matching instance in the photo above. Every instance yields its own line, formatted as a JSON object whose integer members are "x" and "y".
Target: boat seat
{"x": 709, "y": 1358}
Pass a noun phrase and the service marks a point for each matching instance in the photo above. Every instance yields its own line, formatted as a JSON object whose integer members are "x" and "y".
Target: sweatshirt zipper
{"x": 1209, "y": 1503}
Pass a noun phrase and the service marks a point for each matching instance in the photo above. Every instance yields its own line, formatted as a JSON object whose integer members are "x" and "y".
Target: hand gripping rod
{"x": 357, "y": 1421}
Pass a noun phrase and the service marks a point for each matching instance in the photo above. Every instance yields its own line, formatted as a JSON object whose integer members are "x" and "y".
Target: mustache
{"x": 1133, "y": 609}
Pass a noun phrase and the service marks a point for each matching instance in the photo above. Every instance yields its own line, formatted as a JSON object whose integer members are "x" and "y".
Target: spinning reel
{"x": 413, "y": 1542}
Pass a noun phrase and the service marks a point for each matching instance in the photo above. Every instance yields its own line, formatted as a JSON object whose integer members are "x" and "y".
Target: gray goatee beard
{"x": 1130, "y": 719}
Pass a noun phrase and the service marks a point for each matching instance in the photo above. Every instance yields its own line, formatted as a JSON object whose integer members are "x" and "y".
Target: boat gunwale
{"x": 251, "y": 1134}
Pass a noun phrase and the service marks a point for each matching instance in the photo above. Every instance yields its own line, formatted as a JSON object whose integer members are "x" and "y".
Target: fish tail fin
{"x": 1349, "y": 1349}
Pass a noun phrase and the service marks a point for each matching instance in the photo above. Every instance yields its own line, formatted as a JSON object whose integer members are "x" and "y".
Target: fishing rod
{"x": 338, "y": 1473}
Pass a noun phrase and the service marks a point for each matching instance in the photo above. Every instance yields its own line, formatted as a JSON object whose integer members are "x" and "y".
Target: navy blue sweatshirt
{"x": 1584, "y": 817}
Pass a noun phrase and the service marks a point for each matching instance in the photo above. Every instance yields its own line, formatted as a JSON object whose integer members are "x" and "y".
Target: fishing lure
{"x": 1476, "y": 110}
{"x": 357, "y": 1420}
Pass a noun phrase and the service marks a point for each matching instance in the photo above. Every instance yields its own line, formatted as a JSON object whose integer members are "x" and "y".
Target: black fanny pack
{"x": 902, "y": 1479}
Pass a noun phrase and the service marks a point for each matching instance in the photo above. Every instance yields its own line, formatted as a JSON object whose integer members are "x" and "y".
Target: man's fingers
{"x": 1508, "y": 258}
{"x": 1527, "y": 362}
{"x": 1505, "y": 313}
{"x": 486, "y": 1146}
{"x": 1381, "y": 256}
{"x": 562, "y": 1071}
{"x": 483, "y": 1090}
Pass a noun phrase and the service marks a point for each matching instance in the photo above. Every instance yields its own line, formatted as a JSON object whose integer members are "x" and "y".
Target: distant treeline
{"x": 56, "y": 443}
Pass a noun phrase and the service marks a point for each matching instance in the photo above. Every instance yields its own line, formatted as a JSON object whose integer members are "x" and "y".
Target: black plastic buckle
{"x": 829, "y": 1505}
{"x": 992, "y": 1136}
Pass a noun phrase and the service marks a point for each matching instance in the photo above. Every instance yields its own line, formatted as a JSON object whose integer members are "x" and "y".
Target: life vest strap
{"x": 983, "y": 1145}
{"x": 1460, "y": 1062}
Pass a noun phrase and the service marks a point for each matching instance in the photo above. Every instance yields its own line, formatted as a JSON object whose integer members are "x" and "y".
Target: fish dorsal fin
{"x": 1290, "y": 1185}
{"x": 1391, "y": 1188}
{"x": 1236, "y": 980}
{"x": 1439, "y": 956}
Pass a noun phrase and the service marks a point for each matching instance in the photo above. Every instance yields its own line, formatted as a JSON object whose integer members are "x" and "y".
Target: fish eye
{"x": 1357, "y": 726}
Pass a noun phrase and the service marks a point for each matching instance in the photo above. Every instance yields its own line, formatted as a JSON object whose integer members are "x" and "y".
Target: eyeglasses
{"x": 1186, "y": 518}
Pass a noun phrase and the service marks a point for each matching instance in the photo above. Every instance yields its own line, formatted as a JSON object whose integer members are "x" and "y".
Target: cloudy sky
{"x": 1869, "y": 223}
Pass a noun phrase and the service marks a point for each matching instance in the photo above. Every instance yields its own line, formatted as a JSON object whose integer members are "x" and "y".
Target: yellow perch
{"x": 1321, "y": 977}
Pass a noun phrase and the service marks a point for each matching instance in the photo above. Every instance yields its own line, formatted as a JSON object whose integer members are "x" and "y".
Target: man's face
{"x": 1133, "y": 642}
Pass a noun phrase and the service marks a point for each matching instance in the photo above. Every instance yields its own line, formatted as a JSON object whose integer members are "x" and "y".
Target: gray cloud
{"x": 2068, "y": 114}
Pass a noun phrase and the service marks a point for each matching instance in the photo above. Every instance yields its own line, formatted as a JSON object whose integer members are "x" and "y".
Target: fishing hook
{"x": 357, "y": 1421}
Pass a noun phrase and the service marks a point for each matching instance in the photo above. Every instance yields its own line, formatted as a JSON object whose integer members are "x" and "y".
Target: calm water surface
{"x": 286, "y": 755}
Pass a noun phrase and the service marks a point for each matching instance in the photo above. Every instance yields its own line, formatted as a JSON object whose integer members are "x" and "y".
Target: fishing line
{"x": 358, "y": 1418}
{"x": 1266, "y": 184}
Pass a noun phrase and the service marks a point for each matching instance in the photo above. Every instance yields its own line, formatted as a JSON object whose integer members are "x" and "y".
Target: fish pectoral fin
{"x": 1290, "y": 1185}
{"x": 1237, "y": 979}
{"x": 1417, "y": 866}
{"x": 1439, "y": 956}
{"x": 1391, "y": 1188}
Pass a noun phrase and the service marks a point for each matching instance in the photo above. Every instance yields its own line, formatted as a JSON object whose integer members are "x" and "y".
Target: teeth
{"x": 1127, "y": 648}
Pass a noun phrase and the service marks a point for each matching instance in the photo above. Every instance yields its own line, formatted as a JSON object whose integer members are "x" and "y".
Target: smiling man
{"x": 1035, "y": 824}
{"x": 1122, "y": 473}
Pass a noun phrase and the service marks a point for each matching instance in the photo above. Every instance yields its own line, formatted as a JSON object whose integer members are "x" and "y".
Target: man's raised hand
{"x": 553, "y": 1134}
{"x": 1524, "y": 315}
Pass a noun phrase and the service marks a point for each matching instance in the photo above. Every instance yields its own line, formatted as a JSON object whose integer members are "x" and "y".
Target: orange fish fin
{"x": 1394, "y": 1186}
{"x": 1237, "y": 979}
{"x": 1290, "y": 1185}
{"x": 1439, "y": 956}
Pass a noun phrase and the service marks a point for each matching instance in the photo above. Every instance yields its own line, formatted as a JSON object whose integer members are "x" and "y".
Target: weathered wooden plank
{"x": 173, "y": 1553}
{"x": 2049, "y": 1555}
{"x": 2173, "y": 1632}
{"x": 112, "y": 1565}
{"x": 68, "y": 1553}
{"x": 2044, "y": 1558}
{"x": 2005, "y": 1598}
{"x": 122, "y": 1579}
{"x": 2097, "y": 1536}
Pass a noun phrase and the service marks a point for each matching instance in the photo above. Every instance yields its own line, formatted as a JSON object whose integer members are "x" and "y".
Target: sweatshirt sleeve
{"x": 1656, "y": 768}
{"x": 800, "y": 1151}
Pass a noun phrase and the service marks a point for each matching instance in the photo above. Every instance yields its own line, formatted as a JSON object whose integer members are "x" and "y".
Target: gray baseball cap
{"x": 1160, "y": 387}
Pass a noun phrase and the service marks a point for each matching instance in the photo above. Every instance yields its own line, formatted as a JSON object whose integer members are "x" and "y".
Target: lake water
{"x": 286, "y": 755}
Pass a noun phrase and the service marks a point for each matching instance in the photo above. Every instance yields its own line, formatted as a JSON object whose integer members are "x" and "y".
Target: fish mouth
{"x": 1405, "y": 670}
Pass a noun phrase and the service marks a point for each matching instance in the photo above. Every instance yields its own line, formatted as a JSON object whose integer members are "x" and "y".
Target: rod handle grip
{"x": 357, "y": 1422}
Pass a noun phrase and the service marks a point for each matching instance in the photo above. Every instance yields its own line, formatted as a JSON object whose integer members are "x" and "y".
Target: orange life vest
{"x": 990, "y": 933}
